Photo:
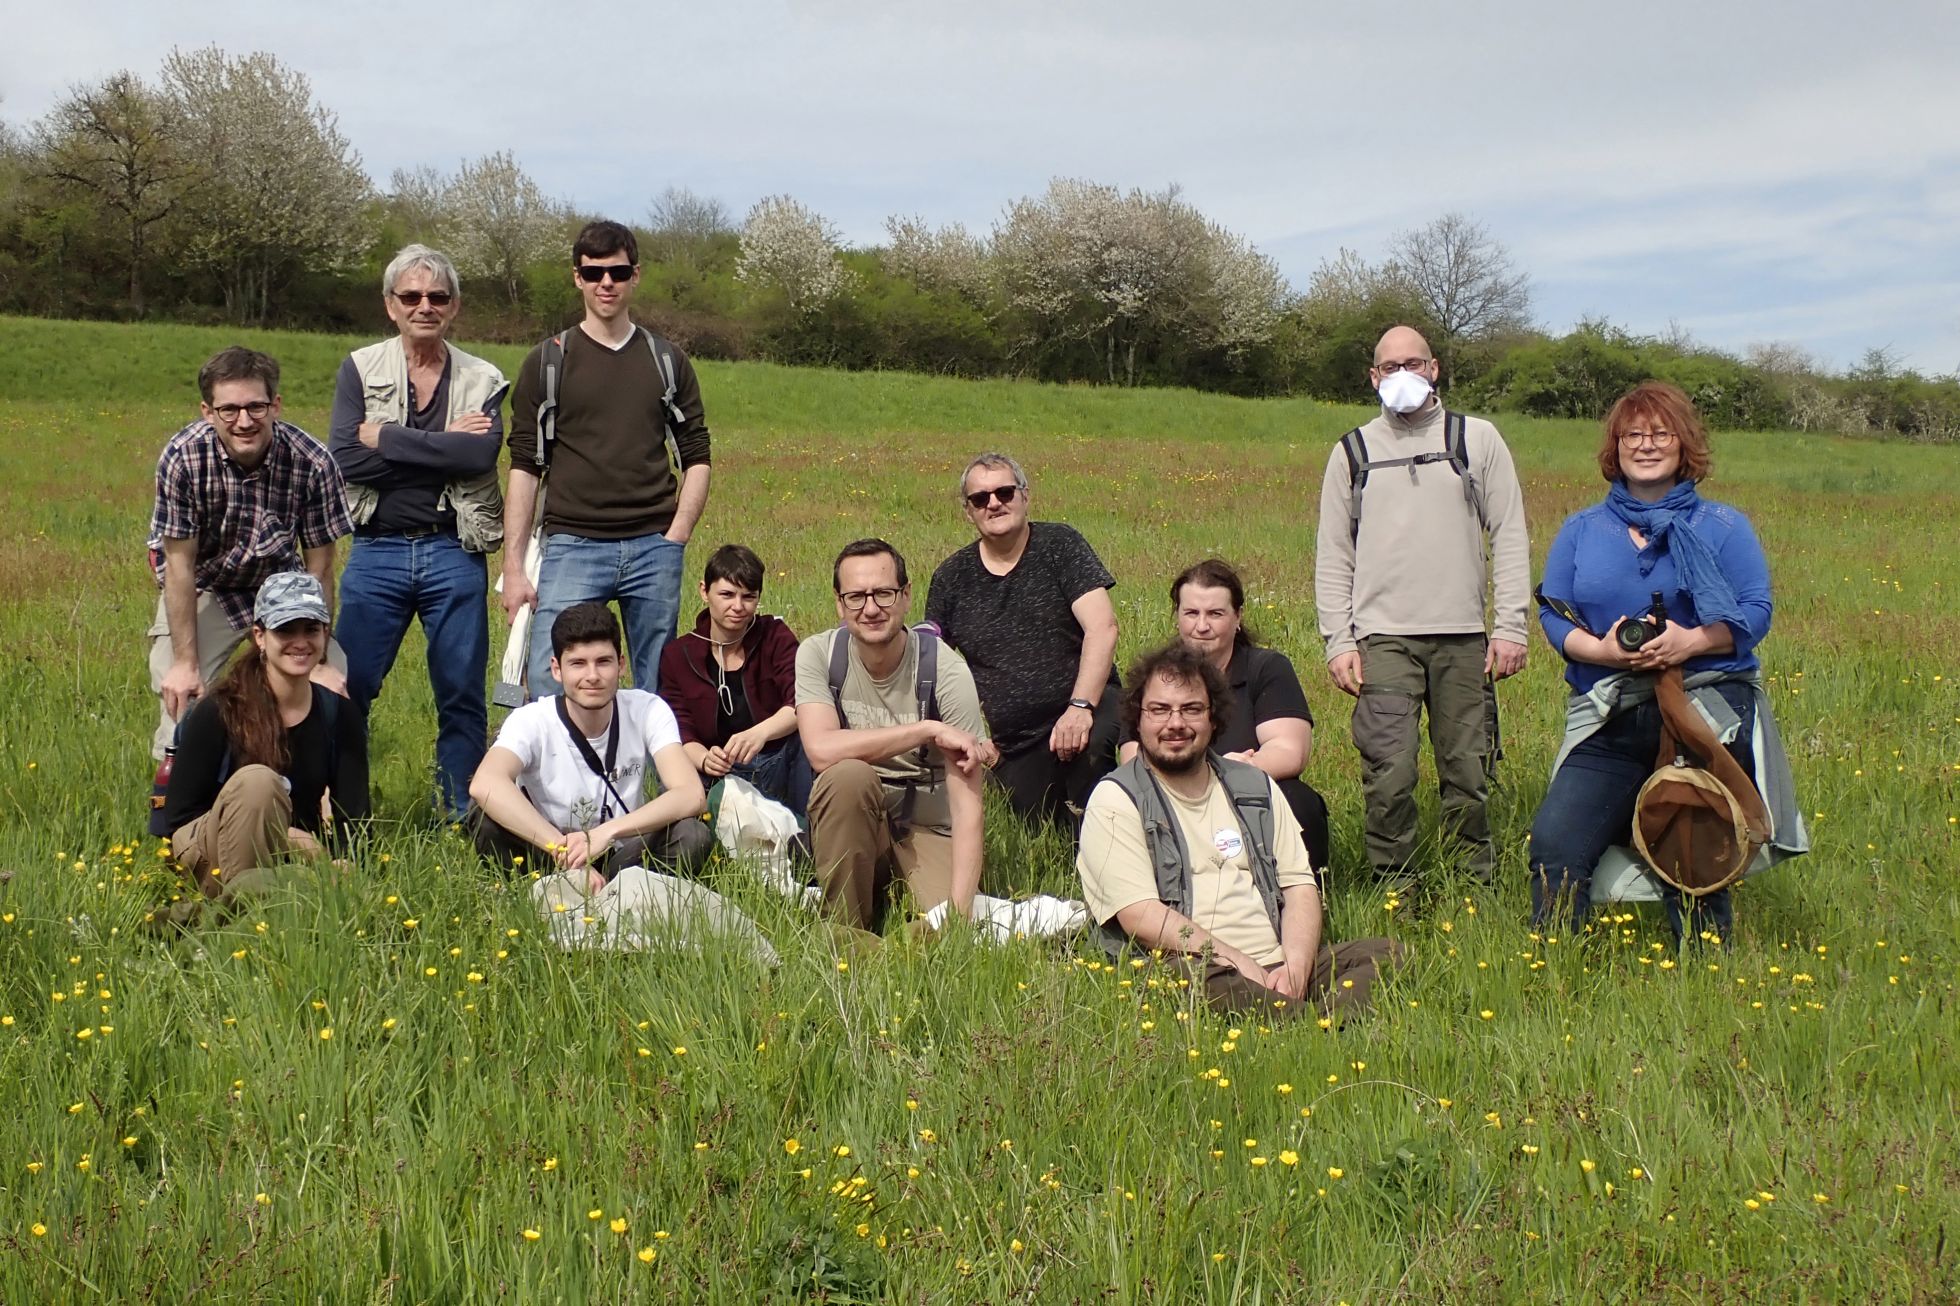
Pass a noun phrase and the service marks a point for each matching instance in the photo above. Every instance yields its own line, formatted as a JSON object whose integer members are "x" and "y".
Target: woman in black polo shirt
{"x": 1271, "y": 725}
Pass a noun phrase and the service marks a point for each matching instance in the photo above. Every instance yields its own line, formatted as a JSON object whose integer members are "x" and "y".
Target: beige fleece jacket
{"x": 1418, "y": 567}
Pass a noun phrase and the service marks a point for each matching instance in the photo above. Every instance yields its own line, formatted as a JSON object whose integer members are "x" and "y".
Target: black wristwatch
{"x": 1082, "y": 703}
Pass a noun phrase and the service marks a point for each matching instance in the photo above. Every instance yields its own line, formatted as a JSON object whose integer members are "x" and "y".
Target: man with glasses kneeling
{"x": 1193, "y": 855}
{"x": 241, "y": 496}
{"x": 891, "y": 723}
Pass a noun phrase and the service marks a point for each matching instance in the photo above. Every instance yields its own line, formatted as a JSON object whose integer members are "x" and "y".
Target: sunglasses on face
{"x": 1002, "y": 495}
{"x": 414, "y": 298}
{"x": 593, "y": 273}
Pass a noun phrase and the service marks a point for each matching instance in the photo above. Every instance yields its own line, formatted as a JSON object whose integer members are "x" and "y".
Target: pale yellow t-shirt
{"x": 1115, "y": 863}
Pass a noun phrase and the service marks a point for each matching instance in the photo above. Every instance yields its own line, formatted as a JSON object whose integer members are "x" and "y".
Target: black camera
{"x": 1633, "y": 634}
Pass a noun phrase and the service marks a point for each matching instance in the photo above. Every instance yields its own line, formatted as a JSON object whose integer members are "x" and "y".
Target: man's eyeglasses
{"x": 414, "y": 298}
{"x": 854, "y": 600}
{"x": 230, "y": 413}
{"x": 1182, "y": 711}
{"x": 1390, "y": 367}
{"x": 593, "y": 273}
{"x": 1000, "y": 494}
{"x": 1658, "y": 439}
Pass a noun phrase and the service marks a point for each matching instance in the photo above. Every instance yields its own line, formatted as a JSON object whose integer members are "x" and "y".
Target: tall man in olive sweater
{"x": 617, "y": 518}
{"x": 1399, "y": 578}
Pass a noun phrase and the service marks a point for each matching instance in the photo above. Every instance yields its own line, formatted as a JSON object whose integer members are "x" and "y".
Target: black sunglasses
{"x": 1000, "y": 494}
{"x": 593, "y": 273}
{"x": 414, "y": 298}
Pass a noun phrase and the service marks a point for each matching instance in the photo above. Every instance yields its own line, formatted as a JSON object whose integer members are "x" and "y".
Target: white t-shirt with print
{"x": 554, "y": 775}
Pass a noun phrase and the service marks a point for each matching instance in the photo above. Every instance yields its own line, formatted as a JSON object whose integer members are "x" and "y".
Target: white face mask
{"x": 1404, "y": 391}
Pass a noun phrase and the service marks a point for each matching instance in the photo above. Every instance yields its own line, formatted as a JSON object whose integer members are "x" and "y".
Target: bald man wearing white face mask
{"x": 1408, "y": 507}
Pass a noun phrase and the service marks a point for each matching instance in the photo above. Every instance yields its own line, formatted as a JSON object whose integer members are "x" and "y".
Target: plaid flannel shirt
{"x": 248, "y": 524}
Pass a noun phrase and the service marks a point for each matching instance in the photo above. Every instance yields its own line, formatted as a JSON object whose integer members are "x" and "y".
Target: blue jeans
{"x": 782, "y": 773}
{"x": 643, "y": 574}
{"x": 1589, "y": 808}
{"x": 391, "y": 579}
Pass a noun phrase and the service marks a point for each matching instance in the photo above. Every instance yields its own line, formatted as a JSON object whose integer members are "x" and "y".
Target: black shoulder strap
{"x": 1457, "y": 444}
{"x": 603, "y": 771}
{"x": 663, "y": 358}
{"x": 551, "y": 364}
{"x": 1356, "y": 448}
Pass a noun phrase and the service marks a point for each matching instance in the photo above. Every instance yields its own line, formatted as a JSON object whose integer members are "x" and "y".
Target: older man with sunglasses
{"x": 1027, "y": 605}
{"x": 416, "y": 429}
{"x": 596, "y": 410}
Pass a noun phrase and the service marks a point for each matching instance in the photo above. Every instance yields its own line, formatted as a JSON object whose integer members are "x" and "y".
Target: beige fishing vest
{"x": 477, "y": 500}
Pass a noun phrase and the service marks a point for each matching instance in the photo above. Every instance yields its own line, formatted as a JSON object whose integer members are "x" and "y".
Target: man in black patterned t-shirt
{"x": 1027, "y": 605}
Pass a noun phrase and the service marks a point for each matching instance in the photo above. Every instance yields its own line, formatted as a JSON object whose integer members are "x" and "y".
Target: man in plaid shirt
{"x": 240, "y": 495}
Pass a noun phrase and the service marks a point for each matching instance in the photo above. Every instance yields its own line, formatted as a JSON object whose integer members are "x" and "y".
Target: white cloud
{"x": 1761, "y": 150}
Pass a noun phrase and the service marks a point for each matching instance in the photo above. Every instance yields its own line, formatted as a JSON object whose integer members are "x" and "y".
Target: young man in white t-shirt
{"x": 565, "y": 783}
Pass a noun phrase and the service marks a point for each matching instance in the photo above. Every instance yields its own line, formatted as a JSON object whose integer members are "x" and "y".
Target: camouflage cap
{"x": 291, "y": 596}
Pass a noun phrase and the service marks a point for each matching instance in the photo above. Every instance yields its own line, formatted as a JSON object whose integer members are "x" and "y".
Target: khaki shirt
{"x": 1116, "y": 871}
{"x": 871, "y": 704}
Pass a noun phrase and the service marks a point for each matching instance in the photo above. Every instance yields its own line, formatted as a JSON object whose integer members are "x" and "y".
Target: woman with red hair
{"x": 1652, "y": 535}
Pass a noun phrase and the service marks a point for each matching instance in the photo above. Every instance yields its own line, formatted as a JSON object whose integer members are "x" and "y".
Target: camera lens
{"x": 1633, "y": 634}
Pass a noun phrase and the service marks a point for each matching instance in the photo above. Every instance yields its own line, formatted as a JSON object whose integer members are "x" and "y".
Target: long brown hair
{"x": 251, "y": 715}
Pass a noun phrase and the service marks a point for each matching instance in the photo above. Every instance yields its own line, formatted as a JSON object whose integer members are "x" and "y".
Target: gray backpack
{"x": 1454, "y": 452}
{"x": 928, "y": 691}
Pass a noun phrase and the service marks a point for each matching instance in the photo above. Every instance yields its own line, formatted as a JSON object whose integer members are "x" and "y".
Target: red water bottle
{"x": 161, "y": 785}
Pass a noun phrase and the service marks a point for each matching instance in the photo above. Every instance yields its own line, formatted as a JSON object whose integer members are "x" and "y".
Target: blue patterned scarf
{"x": 1665, "y": 526}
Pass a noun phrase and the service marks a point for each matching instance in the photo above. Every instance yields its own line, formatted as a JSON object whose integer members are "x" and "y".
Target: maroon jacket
{"x": 687, "y": 676}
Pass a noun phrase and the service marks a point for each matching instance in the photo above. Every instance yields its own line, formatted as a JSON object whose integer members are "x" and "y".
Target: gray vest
{"x": 477, "y": 500}
{"x": 1250, "y": 792}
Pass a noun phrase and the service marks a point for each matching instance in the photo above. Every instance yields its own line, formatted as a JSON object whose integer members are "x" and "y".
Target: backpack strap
{"x": 1456, "y": 447}
{"x": 840, "y": 665}
{"x": 551, "y": 365}
{"x": 1356, "y": 449}
{"x": 663, "y": 358}
{"x": 1455, "y": 452}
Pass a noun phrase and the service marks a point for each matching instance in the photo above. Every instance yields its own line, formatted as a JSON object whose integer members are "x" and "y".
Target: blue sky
{"x": 1742, "y": 172}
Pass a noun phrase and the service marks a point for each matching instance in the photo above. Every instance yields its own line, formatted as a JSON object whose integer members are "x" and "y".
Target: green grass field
{"x": 394, "y": 1089}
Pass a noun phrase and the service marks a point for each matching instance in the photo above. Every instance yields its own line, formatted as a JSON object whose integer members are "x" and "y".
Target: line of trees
{"x": 222, "y": 191}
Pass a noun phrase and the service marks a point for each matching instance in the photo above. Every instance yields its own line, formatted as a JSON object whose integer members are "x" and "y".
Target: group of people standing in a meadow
{"x": 1196, "y": 835}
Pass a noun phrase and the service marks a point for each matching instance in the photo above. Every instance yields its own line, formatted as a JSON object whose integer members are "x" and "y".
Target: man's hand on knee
{"x": 1071, "y": 733}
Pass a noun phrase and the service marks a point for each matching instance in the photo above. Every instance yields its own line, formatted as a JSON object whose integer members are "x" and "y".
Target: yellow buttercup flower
{"x": 647, "y": 1255}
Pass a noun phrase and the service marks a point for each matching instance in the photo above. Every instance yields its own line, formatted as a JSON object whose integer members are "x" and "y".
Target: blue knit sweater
{"x": 1594, "y": 567}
